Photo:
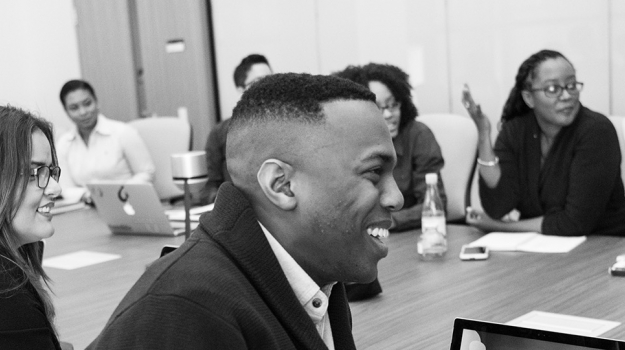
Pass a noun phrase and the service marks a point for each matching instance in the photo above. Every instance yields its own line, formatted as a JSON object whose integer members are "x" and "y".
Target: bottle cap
{"x": 431, "y": 178}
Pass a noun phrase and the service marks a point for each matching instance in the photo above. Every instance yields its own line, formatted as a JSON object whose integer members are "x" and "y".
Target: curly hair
{"x": 515, "y": 106}
{"x": 395, "y": 79}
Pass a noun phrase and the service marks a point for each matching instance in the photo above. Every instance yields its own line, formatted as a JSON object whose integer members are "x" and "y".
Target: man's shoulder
{"x": 217, "y": 135}
{"x": 198, "y": 272}
{"x": 221, "y": 127}
{"x": 200, "y": 263}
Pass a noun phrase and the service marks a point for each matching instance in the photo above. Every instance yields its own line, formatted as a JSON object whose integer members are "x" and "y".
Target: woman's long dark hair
{"x": 515, "y": 105}
{"x": 21, "y": 263}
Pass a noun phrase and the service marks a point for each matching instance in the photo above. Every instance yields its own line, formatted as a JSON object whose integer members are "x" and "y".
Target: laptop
{"x": 132, "y": 209}
{"x": 479, "y": 335}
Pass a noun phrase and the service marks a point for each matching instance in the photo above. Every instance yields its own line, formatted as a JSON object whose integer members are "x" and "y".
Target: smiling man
{"x": 311, "y": 197}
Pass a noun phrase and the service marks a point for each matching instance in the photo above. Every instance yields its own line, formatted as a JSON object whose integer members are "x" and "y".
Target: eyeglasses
{"x": 555, "y": 90}
{"x": 392, "y": 107}
{"x": 44, "y": 173}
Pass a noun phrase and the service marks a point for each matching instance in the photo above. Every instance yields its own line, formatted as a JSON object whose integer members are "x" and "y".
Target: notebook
{"x": 132, "y": 209}
{"x": 528, "y": 242}
{"x": 479, "y": 335}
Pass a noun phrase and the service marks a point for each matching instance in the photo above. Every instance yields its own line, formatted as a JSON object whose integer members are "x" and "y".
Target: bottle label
{"x": 433, "y": 239}
{"x": 434, "y": 223}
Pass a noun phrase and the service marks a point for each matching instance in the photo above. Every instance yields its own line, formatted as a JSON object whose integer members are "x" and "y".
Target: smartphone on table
{"x": 473, "y": 252}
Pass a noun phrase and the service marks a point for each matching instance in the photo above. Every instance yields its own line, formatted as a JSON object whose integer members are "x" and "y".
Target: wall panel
{"x": 486, "y": 51}
{"x": 176, "y": 61}
{"x": 617, "y": 41}
{"x": 282, "y": 30}
{"x": 106, "y": 56}
{"x": 39, "y": 53}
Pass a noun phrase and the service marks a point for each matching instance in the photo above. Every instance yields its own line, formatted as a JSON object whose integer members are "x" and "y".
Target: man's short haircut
{"x": 395, "y": 79}
{"x": 293, "y": 97}
{"x": 240, "y": 73}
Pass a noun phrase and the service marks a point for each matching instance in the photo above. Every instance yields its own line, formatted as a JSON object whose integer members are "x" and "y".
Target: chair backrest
{"x": 619, "y": 125}
{"x": 457, "y": 137}
{"x": 164, "y": 136}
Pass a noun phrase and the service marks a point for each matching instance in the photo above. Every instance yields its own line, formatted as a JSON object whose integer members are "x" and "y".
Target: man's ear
{"x": 274, "y": 177}
{"x": 528, "y": 98}
{"x": 240, "y": 90}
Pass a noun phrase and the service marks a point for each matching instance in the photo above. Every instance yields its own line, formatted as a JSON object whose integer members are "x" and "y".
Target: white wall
{"x": 441, "y": 44}
{"x": 487, "y": 52}
{"x": 282, "y": 30}
{"x": 38, "y": 54}
{"x": 617, "y": 41}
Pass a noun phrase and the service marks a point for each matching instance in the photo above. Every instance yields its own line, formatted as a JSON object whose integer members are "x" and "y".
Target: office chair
{"x": 163, "y": 137}
{"x": 457, "y": 137}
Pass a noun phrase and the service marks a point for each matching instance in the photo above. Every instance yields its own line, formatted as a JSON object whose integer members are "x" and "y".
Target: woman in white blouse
{"x": 98, "y": 148}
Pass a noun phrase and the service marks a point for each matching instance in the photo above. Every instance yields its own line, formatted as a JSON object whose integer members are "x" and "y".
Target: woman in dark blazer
{"x": 555, "y": 162}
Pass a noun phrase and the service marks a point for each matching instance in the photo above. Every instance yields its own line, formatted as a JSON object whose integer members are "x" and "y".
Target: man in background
{"x": 251, "y": 69}
{"x": 310, "y": 201}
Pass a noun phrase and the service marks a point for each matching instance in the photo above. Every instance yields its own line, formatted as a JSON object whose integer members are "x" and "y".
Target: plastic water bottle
{"x": 433, "y": 240}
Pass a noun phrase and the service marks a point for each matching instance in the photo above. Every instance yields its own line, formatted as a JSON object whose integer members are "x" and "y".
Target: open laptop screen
{"x": 480, "y": 335}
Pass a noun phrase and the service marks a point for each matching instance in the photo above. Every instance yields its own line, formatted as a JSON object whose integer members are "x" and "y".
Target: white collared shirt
{"x": 312, "y": 298}
{"x": 115, "y": 152}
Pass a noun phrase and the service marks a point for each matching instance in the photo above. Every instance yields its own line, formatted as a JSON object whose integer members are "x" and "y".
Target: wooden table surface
{"x": 85, "y": 298}
{"x": 416, "y": 309}
{"x": 421, "y": 299}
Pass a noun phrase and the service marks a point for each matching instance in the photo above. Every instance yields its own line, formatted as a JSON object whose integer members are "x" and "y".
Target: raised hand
{"x": 475, "y": 111}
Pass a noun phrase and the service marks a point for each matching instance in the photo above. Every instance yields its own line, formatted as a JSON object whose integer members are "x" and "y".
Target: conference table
{"x": 421, "y": 299}
{"x": 416, "y": 309}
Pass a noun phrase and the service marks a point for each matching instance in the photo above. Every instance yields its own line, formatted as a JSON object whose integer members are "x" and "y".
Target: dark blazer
{"x": 23, "y": 321}
{"x": 222, "y": 289}
{"x": 578, "y": 190}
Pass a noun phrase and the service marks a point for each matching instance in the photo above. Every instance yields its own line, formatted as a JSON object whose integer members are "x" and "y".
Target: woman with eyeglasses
{"x": 555, "y": 162}
{"x": 418, "y": 153}
{"x": 98, "y": 148}
{"x": 29, "y": 184}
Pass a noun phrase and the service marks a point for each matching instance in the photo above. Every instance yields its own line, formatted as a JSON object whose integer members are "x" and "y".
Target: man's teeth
{"x": 45, "y": 209}
{"x": 377, "y": 232}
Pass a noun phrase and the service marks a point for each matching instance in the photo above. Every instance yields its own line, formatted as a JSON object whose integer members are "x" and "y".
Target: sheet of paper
{"x": 548, "y": 321}
{"x": 181, "y": 225}
{"x": 528, "y": 242}
{"x": 503, "y": 241}
{"x": 551, "y": 244}
{"x": 194, "y": 213}
{"x": 78, "y": 259}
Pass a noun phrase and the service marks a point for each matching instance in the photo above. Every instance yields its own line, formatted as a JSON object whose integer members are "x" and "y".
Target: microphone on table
{"x": 189, "y": 173}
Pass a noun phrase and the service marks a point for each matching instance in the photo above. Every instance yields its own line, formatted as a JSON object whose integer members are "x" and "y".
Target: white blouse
{"x": 115, "y": 152}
